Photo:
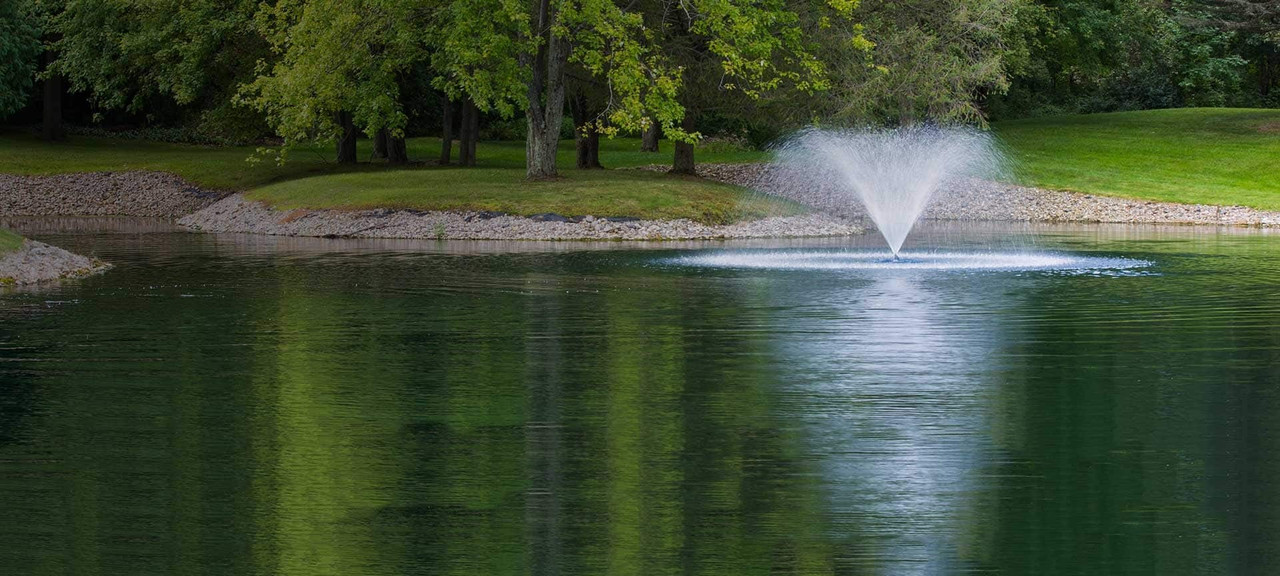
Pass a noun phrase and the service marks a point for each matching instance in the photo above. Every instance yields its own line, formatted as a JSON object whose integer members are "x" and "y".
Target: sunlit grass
{"x": 614, "y": 193}
{"x": 1197, "y": 155}
{"x": 9, "y": 241}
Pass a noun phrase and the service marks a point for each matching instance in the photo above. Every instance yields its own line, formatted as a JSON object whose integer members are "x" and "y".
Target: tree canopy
{"x": 294, "y": 71}
{"x": 20, "y": 47}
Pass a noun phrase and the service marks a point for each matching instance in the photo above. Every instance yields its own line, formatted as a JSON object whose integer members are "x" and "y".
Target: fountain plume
{"x": 892, "y": 173}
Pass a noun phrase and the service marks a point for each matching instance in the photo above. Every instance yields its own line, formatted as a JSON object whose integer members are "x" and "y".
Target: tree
{"x": 475, "y": 49}
{"x": 506, "y": 54}
{"x": 1098, "y": 56}
{"x": 756, "y": 48}
{"x": 610, "y": 42}
{"x": 20, "y": 50}
{"x": 932, "y": 60}
{"x": 1259, "y": 22}
{"x": 586, "y": 98}
{"x": 339, "y": 70}
{"x": 649, "y": 139}
{"x": 134, "y": 56}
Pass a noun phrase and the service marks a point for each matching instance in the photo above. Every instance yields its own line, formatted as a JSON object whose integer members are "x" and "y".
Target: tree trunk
{"x": 469, "y": 126}
{"x": 397, "y": 152}
{"x": 585, "y": 137}
{"x": 53, "y": 129}
{"x": 464, "y": 130}
{"x": 649, "y": 142}
{"x": 446, "y": 131}
{"x": 1267, "y": 64}
{"x": 683, "y": 163}
{"x": 545, "y": 94}
{"x": 380, "y": 144}
{"x": 347, "y": 142}
{"x": 583, "y": 149}
{"x": 593, "y": 150}
{"x": 475, "y": 135}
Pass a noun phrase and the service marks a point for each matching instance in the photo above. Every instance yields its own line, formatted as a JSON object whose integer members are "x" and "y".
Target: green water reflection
{"x": 223, "y": 405}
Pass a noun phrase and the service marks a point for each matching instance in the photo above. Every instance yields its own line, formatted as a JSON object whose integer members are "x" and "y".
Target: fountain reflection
{"x": 896, "y": 407}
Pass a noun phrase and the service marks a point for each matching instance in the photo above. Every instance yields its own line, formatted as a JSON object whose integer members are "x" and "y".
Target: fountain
{"x": 890, "y": 176}
{"x": 893, "y": 173}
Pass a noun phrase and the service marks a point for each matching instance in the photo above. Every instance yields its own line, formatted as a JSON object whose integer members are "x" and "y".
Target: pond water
{"x": 222, "y": 404}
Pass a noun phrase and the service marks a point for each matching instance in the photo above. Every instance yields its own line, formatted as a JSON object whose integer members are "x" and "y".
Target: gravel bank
{"x": 138, "y": 193}
{"x": 163, "y": 195}
{"x": 977, "y": 200}
{"x": 236, "y": 214}
{"x": 37, "y": 262}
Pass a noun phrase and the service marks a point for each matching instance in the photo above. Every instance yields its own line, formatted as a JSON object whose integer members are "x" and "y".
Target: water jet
{"x": 891, "y": 173}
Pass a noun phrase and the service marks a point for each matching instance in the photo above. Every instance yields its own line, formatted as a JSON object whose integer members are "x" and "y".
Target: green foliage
{"x": 125, "y": 53}
{"x": 334, "y": 56}
{"x": 1094, "y": 55}
{"x": 476, "y": 50}
{"x": 761, "y": 45}
{"x": 224, "y": 168}
{"x": 614, "y": 45}
{"x": 20, "y": 50}
{"x": 745, "y": 65}
{"x": 931, "y": 59}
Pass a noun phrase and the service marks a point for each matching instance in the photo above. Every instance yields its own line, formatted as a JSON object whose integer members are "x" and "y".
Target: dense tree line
{"x": 338, "y": 70}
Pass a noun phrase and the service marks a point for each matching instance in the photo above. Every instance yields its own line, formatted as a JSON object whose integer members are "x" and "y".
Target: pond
{"x": 222, "y": 404}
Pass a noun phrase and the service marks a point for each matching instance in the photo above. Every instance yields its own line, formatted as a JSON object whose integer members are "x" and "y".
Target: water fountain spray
{"x": 892, "y": 173}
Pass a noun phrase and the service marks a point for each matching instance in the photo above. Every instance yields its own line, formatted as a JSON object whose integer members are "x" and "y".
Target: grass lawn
{"x": 1207, "y": 155}
{"x": 576, "y": 193}
{"x": 310, "y": 179}
{"x": 227, "y": 168}
{"x": 9, "y": 241}
{"x": 1195, "y": 155}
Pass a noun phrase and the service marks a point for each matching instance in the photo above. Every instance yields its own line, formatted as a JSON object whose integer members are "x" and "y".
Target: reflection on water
{"x": 894, "y": 394}
{"x": 248, "y": 405}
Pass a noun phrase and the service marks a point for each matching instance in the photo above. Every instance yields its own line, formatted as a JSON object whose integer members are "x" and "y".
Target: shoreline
{"x": 38, "y": 263}
{"x": 165, "y": 195}
{"x": 238, "y": 214}
{"x": 981, "y": 201}
{"x": 128, "y": 193}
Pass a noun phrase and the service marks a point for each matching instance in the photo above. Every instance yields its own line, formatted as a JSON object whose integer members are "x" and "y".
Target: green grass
{"x": 1211, "y": 156}
{"x": 1194, "y": 155}
{"x": 227, "y": 168}
{"x": 9, "y": 241}
{"x": 310, "y": 179}
{"x": 606, "y": 193}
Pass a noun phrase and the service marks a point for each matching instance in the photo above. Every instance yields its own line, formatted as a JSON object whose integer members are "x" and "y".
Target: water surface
{"x": 223, "y": 404}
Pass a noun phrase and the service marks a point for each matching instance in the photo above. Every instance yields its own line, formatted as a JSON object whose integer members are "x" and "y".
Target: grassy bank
{"x": 634, "y": 193}
{"x": 1197, "y": 155}
{"x": 9, "y": 241}
{"x": 310, "y": 179}
{"x": 1211, "y": 156}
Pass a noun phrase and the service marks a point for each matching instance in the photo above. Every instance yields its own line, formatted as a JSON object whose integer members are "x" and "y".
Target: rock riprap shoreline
{"x": 37, "y": 262}
{"x": 238, "y": 214}
{"x": 978, "y": 200}
{"x": 133, "y": 193}
{"x": 164, "y": 195}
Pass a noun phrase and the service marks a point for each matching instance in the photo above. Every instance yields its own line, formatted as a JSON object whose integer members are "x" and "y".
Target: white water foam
{"x": 866, "y": 260}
